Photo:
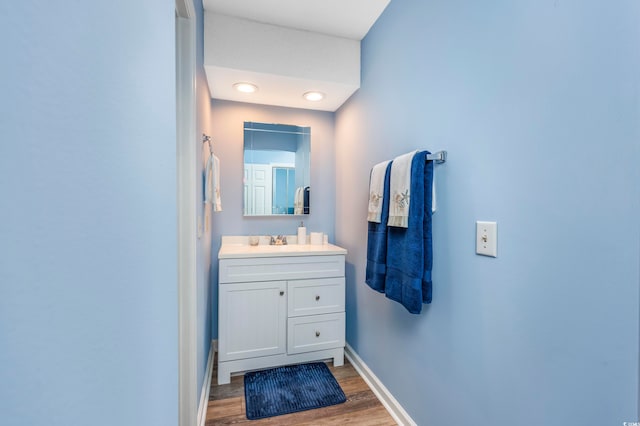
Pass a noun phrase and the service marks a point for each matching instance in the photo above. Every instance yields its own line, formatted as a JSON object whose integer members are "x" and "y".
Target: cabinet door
{"x": 252, "y": 320}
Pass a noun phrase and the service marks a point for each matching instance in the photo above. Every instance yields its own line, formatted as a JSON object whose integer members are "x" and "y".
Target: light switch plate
{"x": 487, "y": 238}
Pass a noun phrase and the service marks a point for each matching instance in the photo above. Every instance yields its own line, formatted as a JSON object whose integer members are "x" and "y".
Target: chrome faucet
{"x": 280, "y": 240}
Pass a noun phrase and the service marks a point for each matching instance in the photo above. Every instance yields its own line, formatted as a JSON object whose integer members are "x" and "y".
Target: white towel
{"x": 212, "y": 183}
{"x": 376, "y": 191}
{"x": 208, "y": 181}
{"x": 400, "y": 184}
{"x": 217, "y": 201}
{"x": 298, "y": 201}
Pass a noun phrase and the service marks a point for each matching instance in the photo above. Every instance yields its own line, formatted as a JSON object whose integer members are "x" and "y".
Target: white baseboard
{"x": 206, "y": 385}
{"x": 390, "y": 403}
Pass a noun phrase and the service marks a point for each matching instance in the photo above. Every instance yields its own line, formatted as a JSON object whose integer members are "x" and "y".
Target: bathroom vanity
{"x": 279, "y": 305}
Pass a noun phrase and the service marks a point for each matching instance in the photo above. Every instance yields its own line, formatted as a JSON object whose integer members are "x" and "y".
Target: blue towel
{"x": 305, "y": 200}
{"x": 377, "y": 242}
{"x": 409, "y": 251}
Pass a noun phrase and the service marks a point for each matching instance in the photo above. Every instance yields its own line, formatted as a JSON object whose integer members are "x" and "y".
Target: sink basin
{"x": 238, "y": 247}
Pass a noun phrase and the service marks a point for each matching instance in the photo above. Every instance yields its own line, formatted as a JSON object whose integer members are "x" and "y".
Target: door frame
{"x": 185, "y": 38}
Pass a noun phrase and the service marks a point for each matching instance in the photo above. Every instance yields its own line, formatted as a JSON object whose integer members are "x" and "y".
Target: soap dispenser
{"x": 302, "y": 234}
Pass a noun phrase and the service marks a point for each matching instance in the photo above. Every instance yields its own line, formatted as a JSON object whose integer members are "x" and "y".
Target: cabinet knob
{"x": 317, "y": 298}
{"x": 317, "y": 334}
{"x": 282, "y": 293}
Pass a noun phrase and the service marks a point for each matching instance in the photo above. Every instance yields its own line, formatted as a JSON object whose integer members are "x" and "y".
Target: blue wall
{"x": 537, "y": 104}
{"x": 227, "y": 125}
{"x": 88, "y": 295}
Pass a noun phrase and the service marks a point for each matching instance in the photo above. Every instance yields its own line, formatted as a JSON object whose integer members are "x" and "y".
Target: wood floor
{"x": 227, "y": 406}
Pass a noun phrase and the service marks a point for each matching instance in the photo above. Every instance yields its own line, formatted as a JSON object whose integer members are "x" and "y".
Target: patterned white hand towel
{"x": 400, "y": 184}
{"x": 208, "y": 181}
{"x": 217, "y": 202}
{"x": 298, "y": 201}
{"x": 376, "y": 191}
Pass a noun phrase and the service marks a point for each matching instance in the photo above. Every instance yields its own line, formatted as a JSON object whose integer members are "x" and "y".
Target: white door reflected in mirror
{"x": 276, "y": 169}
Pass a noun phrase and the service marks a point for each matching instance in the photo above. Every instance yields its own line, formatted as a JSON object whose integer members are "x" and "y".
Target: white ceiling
{"x": 344, "y": 19}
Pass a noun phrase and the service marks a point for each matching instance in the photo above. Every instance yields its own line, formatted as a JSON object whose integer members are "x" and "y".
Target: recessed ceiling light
{"x": 245, "y": 87}
{"x": 313, "y": 96}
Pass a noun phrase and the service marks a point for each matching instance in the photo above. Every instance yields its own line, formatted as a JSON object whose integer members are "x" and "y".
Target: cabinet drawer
{"x": 313, "y": 297}
{"x": 280, "y": 268}
{"x": 315, "y": 333}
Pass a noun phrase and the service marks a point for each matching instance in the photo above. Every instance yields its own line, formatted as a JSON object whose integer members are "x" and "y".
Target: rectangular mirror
{"x": 276, "y": 169}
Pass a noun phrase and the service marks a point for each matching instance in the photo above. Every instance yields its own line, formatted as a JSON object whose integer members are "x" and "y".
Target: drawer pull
{"x": 317, "y": 298}
{"x": 282, "y": 293}
{"x": 317, "y": 334}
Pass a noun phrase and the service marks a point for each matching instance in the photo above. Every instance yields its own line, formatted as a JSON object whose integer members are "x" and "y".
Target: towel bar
{"x": 207, "y": 139}
{"x": 438, "y": 157}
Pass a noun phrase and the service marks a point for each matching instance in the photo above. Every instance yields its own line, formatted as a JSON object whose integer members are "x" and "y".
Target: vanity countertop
{"x": 238, "y": 248}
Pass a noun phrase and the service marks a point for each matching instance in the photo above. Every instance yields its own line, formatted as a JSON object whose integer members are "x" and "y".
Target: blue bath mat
{"x": 290, "y": 389}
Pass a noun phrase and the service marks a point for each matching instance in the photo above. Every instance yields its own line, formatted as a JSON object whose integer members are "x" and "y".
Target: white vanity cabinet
{"x": 279, "y": 305}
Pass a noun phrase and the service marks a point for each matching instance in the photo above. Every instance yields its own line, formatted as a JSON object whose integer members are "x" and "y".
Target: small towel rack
{"x": 438, "y": 157}
{"x": 207, "y": 139}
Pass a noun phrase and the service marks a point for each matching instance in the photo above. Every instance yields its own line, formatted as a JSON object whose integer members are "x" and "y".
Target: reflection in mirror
{"x": 276, "y": 169}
